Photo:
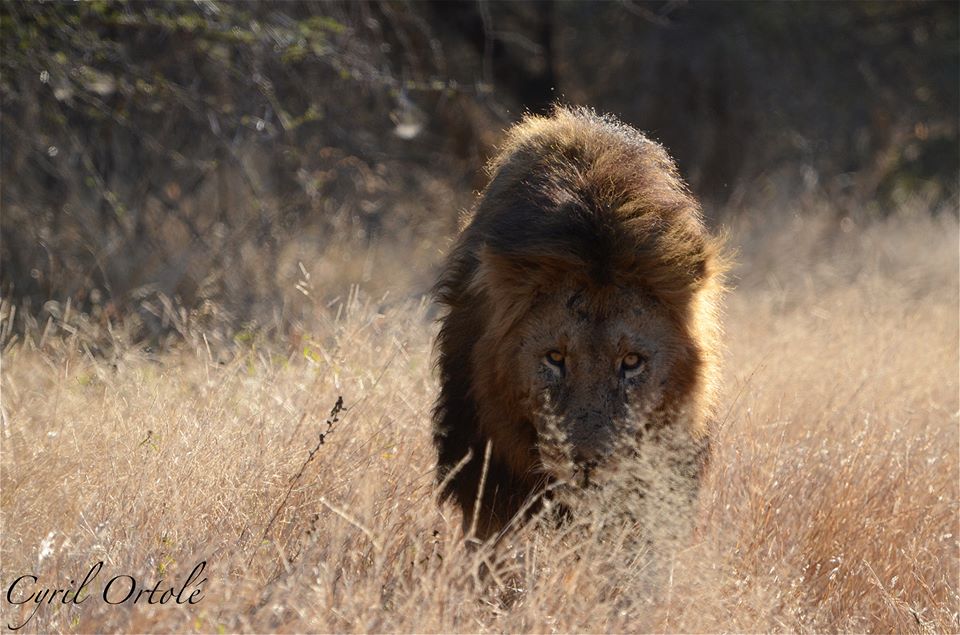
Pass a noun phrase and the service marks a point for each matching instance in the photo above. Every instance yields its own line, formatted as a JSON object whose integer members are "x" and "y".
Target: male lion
{"x": 580, "y": 320}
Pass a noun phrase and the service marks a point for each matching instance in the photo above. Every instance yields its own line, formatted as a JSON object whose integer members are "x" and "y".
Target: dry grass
{"x": 831, "y": 504}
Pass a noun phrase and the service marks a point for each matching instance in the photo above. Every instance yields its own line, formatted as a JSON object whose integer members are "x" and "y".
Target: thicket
{"x": 166, "y": 163}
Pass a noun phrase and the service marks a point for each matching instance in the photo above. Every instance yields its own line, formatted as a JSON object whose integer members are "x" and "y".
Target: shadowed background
{"x": 171, "y": 165}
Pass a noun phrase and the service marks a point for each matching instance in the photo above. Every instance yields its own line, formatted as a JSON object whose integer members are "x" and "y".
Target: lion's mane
{"x": 572, "y": 196}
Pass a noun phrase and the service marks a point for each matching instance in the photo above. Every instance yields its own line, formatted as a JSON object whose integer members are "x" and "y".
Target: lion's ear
{"x": 500, "y": 278}
{"x": 510, "y": 285}
{"x": 496, "y": 271}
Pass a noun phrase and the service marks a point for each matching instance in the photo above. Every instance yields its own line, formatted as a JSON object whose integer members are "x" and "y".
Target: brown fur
{"x": 582, "y": 205}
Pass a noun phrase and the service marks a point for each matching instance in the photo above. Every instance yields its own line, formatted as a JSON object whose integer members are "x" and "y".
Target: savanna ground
{"x": 831, "y": 503}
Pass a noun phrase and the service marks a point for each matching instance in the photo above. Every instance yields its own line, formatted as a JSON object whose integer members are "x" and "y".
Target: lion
{"x": 579, "y": 323}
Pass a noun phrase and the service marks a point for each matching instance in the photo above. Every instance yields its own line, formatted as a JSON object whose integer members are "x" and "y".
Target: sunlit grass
{"x": 830, "y": 505}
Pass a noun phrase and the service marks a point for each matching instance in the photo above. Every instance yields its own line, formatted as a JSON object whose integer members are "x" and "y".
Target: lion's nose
{"x": 588, "y": 457}
{"x": 589, "y": 439}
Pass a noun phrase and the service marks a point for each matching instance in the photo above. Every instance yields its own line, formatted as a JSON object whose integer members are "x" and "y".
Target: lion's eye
{"x": 554, "y": 358}
{"x": 631, "y": 364}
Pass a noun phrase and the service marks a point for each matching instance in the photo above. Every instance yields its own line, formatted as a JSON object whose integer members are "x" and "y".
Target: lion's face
{"x": 593, "y": 371}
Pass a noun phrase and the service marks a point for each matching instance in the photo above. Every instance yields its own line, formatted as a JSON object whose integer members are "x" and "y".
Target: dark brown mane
{"x": 572, "y": 196}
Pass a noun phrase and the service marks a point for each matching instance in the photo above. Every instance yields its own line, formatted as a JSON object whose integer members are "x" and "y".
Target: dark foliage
{"x": 199, "y": 151}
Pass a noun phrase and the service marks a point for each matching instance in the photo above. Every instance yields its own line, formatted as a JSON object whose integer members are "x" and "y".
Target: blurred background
{"x": 228, "y": 167}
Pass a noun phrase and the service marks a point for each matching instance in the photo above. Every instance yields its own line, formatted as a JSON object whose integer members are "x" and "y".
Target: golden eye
{"x": 555, "y": 358}
{"x": 631, "y": 361}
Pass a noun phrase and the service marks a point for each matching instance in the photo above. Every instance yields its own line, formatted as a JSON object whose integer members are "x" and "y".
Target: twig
{"x": 743, "y": 386}
{"x": 332, "y": 419}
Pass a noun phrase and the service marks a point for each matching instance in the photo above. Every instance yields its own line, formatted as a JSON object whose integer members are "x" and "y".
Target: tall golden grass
{"x": 831, "y": 503}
